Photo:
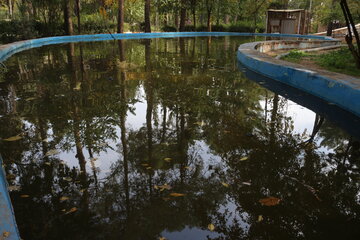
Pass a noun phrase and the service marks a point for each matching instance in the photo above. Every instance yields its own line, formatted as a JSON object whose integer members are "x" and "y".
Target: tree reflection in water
{"x": 207, "y": 144}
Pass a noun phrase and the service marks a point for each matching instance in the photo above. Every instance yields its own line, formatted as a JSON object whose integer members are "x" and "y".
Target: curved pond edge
{"x": 8, "y": 50}
{"x": 8, "y": 227}
{"x": 339, "y": 89}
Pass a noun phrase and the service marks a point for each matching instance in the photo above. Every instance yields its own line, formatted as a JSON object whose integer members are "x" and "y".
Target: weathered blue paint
{"x": 10, "y": 49}
{"x": 344, "y": 119}
{"x": 342, "y": 90}
{"x": 7, "y": 218}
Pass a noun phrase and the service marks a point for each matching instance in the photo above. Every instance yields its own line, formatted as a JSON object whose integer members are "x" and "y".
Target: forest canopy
{"x": 24, "y": 19}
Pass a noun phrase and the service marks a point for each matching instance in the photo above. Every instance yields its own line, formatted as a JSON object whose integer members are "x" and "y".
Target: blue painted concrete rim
{"x": 338, "y": 89}
{"x": 8, "y": 50}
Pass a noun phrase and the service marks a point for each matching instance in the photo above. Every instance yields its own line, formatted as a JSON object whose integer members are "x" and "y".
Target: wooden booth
{"x": 287, "y": 21}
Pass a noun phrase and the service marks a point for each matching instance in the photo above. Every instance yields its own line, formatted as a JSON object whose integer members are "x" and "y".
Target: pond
{"x": 172, "y": 139}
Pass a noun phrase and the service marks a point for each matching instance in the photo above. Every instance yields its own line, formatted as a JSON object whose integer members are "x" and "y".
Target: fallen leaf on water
{"x": 64, "y": 199}
{"x": 24, "y": 196}
{"x": 270, "y": 201}
{"x": 246, "y": 183}
{"x": 63, "y": 210}
{"x": 211, "y": 227}
{"x": 145, "y": 165}
{"x": 244, "y": 158}
{"x": 82, "y": 190}
{"x": 52, "y": 152}
{"x": 167, "y": 159}
{"x": 177, "y": 194}
{"x": 12, "y": 139}
{"x": 166, "y": 199}
{"x": 47, "y": 163}
{"x": 188, "y": 168}
{"x": 260, "y": 218}
{"x": 74, "y": 209}
{"x": 164, "y": 187}
{"x": 78, "y": 86}
{"x": 10, "y": 176}
{"x": 69, "y": 179}
{"x": 45, "y": 140}
{"x": 199, "y": 124}
{"x": 6, "y": 234}
{"x": 162, "y": 238}
{"x": 30, "y": 99}
{"x": 14, "y": 188}
{"x": 225, "y": 184}
{"x": 148, "y": 168}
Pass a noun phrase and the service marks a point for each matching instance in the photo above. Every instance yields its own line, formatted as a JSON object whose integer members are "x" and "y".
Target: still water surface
{"x": 170, "y": 138}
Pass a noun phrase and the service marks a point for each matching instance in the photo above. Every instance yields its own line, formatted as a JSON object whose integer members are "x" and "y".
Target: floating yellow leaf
{"x": 270, "y": 201}
{"x": 148, "y": 168}
{"x": 246, "y": 183}
{"x": 14, "y": 188}
{"x": 47, "y": 163}
{"x": 167, "y": 159}
{"x": 63, "y": 210}
{"x": 260, "y": 218}
{"x": 177, "y": 194}
{"x": 211, "y": 227}
{"x": 24, "y": 196}
{"x": 244, "y": 158}
{"x": 64, "y": 199}
{"x": 52, "y": 152}
{"x": 69, "y": 179}
{"x": 10, "y": 176}
{"x": 162, "y": 238}
{"x": 78, "y": 86}
{"x": 145, "y": 165}
{"x": 164, "y": 187}
{"x": 156, "y": 187}
{"x": 74, "y": 209}
{"x": 12, "y": 139}
{"x": 5, "y": 235}
{"x": 188, "y": 168}
{"x": 225, "y": 184}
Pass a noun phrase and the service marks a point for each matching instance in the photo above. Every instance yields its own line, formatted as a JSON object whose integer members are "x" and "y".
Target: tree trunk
{"x": 67, "y": 18}
{"x": 176, "y": 20}
{"x": 10, "y": 8}
{"x": 147, "y": 16}
{"x": 182, "y": 16}
{"x": 78, "y": 16}
{"x": 351, "y": 30}
{"x": 120, "y": 27}
{"x": 209, "y": 20}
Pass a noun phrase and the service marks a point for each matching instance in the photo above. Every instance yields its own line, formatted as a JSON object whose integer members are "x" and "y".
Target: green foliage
{"x": 339, "y": 61}
{"x": 295, "y": 55}
{"x": 242, "y": 26}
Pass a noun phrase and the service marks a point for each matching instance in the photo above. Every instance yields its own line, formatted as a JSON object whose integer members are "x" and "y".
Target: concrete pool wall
{"x": 340, "y": 91}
